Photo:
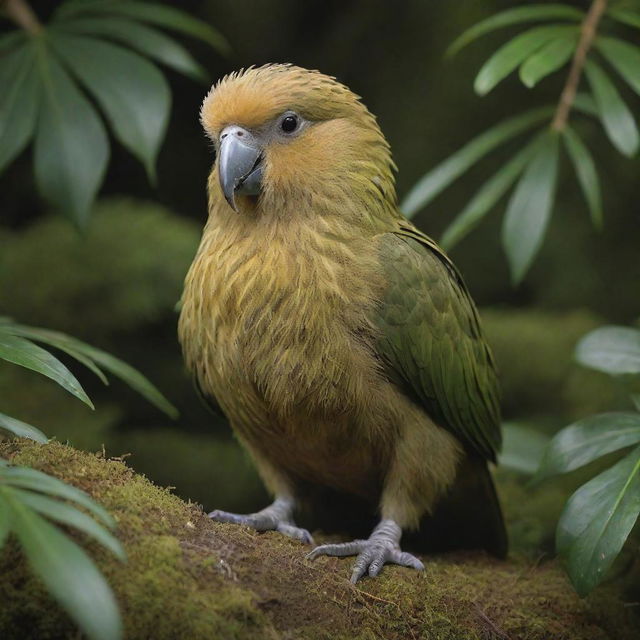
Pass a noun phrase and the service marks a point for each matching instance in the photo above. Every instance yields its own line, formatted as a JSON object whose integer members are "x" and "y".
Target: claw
{"x": 380, "y": 549}
{"x": 275, "y": 517}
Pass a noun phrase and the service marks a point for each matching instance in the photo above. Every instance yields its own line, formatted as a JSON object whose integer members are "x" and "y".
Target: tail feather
{"x": 468, "y": 517}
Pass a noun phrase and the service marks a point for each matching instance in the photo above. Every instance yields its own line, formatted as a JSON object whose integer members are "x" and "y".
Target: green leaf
{"x": 35, "y": 480}
{"x": 86, "y": 353}
{"x": 623, "y": 57}
{"x": 158, "y": 14}
{"x": 588, "y": 439}
{"x": 133, "y": 93}
{"x": 597, "y": 520}
{"x": 22, "y": 429}
{"x": 612, "y": 349}
{"x": 549, "y": 58}
{"x": 71, "y": 517}
{"x": 148, "y": 41}
{"x": 26, "y": 354}
{"x": 514, "y": 16}
{"x": 129, "y": 375}
{"x": 69, "y": 574}
{"x": 71, "y": 147}
{"x": 439, "y": 178}
{"x": 18, "y": 102}
{"x": 630, "y": 18}
{"x": 529, "y": 208}
{"x": 60, "y": 341}
{"x": 635, "y": 398}
{"x": 522, "y": 448}
{"x": 585, "y": 103}
{"x": 617, "y": 119}
{"x": 512, "y": 54}
{"x": 586, "y": 173}
{"x": 486, "y": 197}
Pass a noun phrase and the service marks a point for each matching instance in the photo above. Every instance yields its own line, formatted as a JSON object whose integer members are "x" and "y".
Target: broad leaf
{"x": 26, "y": 354}
{"x": 439, "y": 178}
{"x": 512, "y": 54}
{"x": 35, "y": 480}
{"x": 133, "y": 93}
{"x": 69, "y": 574}
{"x": 529, "y": 208}
{"x": 71, "y": 147}
{"x": 70, "y": 516}
{"x": 522, "y": 448}
{"x": 617, "y": 119}
{"x": 87, "y": 354}
{"x": 586, "y": 173}
{"x": 597, "y": 520}
{"x": 587, "y": 440}
{"x": 158, "y": 14}
{"x": 623, "y": 57}
{"x": 18, "y": 102}
{"x": 21, "y": 429}
{"x": 549, "y": 58}
{"x": 148, "y": 41}
{"x": 486, "y": 198}
{"x": 612, "y": 349}
{"x": 630, "y": 18}
{"x": 510, "y": 17}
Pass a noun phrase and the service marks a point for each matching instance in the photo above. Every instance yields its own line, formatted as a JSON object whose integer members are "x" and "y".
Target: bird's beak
{"x": 239, "y": 164}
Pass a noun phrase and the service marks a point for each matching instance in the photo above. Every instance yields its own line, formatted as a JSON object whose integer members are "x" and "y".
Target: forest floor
{"x": 188, "y": 577}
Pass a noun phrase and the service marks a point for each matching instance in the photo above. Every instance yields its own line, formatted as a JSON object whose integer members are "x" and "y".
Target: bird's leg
{"x": 382, "y": 547}
{"x": 278, "y": 516}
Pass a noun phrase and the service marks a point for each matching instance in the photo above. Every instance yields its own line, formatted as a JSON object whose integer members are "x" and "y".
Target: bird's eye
{"x": 289, "y": 123}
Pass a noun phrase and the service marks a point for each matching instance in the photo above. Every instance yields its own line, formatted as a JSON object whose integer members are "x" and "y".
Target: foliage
{"x": 565, "y": 35}
{"x": 102, "y": 47}
{"x": 599, "y": 516}
{"x": 26, "y": 494}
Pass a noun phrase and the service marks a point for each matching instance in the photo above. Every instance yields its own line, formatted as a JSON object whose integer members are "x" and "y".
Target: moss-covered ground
{"x": 188, "y": 577}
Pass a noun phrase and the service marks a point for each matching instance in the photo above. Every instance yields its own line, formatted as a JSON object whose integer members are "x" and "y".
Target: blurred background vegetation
{"x": 116, "y": 284}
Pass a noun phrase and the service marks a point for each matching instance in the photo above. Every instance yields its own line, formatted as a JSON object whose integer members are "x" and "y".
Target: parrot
{"x": 339, "y": 341}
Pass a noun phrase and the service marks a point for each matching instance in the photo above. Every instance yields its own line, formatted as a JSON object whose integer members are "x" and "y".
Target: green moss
{"x": 125, "y": 272}
{"x": 187, "y": 577}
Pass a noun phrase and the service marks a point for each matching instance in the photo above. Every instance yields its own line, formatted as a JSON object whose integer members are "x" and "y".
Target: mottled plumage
{"x": 339, "y": 340}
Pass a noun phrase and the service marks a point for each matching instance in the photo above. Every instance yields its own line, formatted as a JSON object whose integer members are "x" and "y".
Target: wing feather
{"x": 431, "y": 340}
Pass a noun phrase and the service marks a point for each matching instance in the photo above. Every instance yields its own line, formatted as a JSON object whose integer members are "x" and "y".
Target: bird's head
{"x": 287, "y": 137}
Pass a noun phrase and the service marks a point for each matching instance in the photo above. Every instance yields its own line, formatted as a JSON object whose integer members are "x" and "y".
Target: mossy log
{"x": 188, "y": 577}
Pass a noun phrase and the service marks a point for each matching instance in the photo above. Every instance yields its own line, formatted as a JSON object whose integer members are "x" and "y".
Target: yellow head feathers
{"x": 337, "y": 153}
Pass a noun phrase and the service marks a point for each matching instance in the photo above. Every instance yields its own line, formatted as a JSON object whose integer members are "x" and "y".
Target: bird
{"x": 339, "y": 341}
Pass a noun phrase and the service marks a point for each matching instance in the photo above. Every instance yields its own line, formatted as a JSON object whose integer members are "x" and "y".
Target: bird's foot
{"x": 275, "y": 517}
{"x": 381, "y": 548}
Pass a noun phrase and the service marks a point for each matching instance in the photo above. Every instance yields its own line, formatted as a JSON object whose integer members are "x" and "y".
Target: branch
{"x": 587, "y": 34}
{"x": 22, "y": 14}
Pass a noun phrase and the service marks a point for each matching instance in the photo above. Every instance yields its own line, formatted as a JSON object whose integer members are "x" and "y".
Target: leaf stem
{"x": 22, "y": 14}
{"x": 588, "y": 32}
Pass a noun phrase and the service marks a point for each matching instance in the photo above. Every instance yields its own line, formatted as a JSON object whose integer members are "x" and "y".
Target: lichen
{"x": 188, "y": 577}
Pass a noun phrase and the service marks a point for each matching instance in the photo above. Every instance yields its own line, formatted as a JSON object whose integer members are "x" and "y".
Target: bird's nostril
{"x": 223, "y": 136}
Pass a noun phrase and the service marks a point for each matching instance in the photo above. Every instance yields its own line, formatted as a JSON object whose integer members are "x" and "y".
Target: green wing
{"x": 431, "y": 342}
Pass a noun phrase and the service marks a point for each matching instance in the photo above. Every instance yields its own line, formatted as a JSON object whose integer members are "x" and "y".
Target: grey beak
{"x": 239, "y": 164}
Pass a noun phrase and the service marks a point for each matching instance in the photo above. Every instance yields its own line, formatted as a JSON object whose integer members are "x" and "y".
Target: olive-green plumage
{"x": 338, "y": 339}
